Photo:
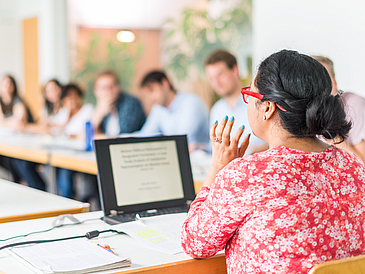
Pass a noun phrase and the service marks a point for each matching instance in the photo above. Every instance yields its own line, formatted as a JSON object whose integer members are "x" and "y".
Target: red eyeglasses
{"x": 247, "y": 93}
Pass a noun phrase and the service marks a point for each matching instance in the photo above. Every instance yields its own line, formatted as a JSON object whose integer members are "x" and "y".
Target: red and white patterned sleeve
{"x": 216, "y": 212}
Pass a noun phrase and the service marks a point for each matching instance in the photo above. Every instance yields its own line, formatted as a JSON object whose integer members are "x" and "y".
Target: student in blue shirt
{"x": 223, "y": 75}
{"x": 174, "y": 112}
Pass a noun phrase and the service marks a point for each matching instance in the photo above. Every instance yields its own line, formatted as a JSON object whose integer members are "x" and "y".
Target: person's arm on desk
{"x": 19, "y": 118}
{"x": 213, "y": 216}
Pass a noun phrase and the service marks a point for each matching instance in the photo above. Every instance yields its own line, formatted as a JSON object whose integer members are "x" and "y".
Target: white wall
{"x": 53, "y": 56}
{"x": 9, "y": 42}
{"x": 53, "y": 41}
{"x": 126, "y": 14}
{"x": 331, "y": 28}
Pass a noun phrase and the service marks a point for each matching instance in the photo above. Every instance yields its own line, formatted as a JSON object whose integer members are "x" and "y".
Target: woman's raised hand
{"x": 225, "y": 149}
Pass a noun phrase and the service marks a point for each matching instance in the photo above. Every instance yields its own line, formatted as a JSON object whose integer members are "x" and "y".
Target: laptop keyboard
{"x": 128, "y": 217}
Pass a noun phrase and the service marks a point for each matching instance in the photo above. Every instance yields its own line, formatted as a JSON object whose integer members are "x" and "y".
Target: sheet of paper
{"x": 161, "y": 233}
{"x": 65, "y": 256}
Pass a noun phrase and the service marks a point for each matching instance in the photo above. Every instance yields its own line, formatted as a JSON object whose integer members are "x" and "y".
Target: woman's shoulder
{"x": 278, "y": 155}
{"x": 286, "y": 156}
{"x": 251, "y": 161}
{"x": 344, "y": 156}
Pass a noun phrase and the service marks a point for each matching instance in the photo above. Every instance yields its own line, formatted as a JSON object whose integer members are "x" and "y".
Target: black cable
{"x": 89, "y": 235}
{"x": 49, "y": 229}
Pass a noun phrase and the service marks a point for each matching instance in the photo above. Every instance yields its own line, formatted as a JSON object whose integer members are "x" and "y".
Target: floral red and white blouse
{"x": 280, "y": 211}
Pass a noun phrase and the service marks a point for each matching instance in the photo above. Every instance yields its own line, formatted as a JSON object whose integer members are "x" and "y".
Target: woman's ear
{"x": 269, "y": 109}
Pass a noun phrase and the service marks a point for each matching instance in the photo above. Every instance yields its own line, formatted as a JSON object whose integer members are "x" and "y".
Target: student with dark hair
{"x": 116, "y": 112}
{"x": 52, "y": 104}
{"x": 52, "y": 97}
{"x": 13, "y": 114}
{"x": 174, "y": 112}
{"x": 73, "y": 115}
{"x": 223, "y": 75}
{"x": 355, "y": 112}
{"x": 71, "y": 120}
{"x": 298, "y": 204}
{"x": 14, "y": 111}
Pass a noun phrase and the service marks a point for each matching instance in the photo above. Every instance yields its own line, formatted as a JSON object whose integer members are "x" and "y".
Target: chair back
{"x": 352, "y": 265}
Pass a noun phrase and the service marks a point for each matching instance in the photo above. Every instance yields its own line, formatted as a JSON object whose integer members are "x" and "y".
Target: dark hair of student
{"x": 14, "y": 100}
{"x": 71, "y": 86}
{"x": 8, "y": 108}
{"x": 156, "y": 76}
{"x": 221, "y": 55}
{"x": 49, "y": 105}
{"x": 302, "y": 86}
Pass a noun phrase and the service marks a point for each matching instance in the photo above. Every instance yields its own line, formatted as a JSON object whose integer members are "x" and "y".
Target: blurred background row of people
{"x": 117, "y": 113}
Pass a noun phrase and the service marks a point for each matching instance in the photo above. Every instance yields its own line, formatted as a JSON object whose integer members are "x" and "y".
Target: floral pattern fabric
{"x": 280, "y": 211}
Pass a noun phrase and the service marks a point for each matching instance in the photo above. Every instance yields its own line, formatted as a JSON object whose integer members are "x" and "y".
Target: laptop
{"x": 143, "y": 176}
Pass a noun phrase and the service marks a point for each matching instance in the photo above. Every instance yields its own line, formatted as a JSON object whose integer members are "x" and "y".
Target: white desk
{"x": 18, "y": 202}
{"x": 23, "y": 146}
{"x": 144, "y": 259}
{"x": 69, "y": 154}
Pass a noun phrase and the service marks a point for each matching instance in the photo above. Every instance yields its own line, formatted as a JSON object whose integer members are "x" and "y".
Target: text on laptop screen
{"x": 146, "y": 172}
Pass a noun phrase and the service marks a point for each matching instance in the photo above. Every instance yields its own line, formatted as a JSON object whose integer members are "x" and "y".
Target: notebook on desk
{"x": 143, "y": 176}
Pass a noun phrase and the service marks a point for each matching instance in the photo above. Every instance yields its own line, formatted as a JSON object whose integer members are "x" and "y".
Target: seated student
{"x": 71, "y": 120}
{"x": 52, "y": 96}
{"x": 299, "y": 203}
{"x": 174, "y": 112}
{"x": 52, "y": 104}
{"x": 116, "y": 112}
{"x": 223, "y": 75}
{"x": 13, "y": 114}
{"x": 355, "y": 112}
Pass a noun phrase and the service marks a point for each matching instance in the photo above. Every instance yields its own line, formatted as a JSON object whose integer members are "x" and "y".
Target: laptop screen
{"x": 146, "y": 172}
{"x": 142, "y": 173}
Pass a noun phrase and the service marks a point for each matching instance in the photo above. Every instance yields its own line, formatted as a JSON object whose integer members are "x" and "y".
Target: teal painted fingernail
{"x": 249, "y": 135}
{"x": 216, "y": 121}
{"x": 242, "y": 127}
{"x": 232, "y": 118}
{"x": 225, "y": 118}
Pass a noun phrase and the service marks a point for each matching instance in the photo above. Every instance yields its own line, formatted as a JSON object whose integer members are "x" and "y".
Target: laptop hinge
{"x": 188, "y": 202}
{"x": 115, "y": 213}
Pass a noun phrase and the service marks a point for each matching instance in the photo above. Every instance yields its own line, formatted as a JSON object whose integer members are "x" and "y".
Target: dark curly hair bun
{"x": 302, "y": 86}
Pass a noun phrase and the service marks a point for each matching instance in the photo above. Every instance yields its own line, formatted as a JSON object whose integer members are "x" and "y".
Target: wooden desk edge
{"x": 32, "y": 155}
{"x": 82, "y": 209}
{"x": 212, "y": 265}
{"x": 68, "y": 162}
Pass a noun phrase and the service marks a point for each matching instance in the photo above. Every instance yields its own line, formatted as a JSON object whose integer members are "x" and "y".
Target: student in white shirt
{"x": 52, "y": 104}
{"x": 71, "y": 120}
{"x": 74, "y": 113}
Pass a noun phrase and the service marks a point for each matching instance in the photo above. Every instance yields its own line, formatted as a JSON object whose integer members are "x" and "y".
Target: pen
{"x": 106, "y": 247}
